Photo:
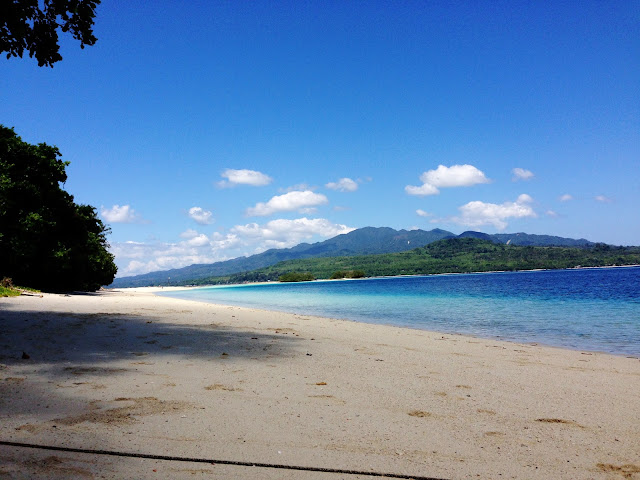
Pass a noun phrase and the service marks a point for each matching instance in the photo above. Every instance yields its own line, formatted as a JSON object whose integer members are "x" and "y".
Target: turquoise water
{"x": 584, "y": 309}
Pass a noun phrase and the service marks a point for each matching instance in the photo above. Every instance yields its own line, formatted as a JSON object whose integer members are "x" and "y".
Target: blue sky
{"x": 203, "y": 131}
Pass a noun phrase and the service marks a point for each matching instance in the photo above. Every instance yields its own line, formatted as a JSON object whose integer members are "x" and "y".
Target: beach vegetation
{"x": 7, "y": 289}
{"x": 47, "y": 241}
{"x": 8, "y": 292}
{"x": 32, "y": 26}
{"x": 362, "y": 241}
{"x": 296, "y": 277}
{"x": 348, "y": 274}
{"x": 453, "y": 255}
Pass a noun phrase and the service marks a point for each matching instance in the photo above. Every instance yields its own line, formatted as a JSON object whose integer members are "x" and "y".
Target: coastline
{"x": 599, "y": 334}
{"x": 127, "y": 369}
{"x": 184, "y": 287}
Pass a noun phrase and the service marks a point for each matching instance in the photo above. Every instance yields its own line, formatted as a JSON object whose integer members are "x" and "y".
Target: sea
{"x": 591, "y": 309}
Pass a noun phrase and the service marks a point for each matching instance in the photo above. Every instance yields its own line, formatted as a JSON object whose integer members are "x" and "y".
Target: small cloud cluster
{"x": 243, "y": 177}
{"x": 445, "y": 177}
{"x": 200, "y": 215}
{"x": 282, "y": 233}
{"x": 119, "y": 214}
{"x": 298, "y": 186}
{"x": 194, "y": 239}
{"x": 565, "y": 198}
{"x": 136, "y": 258}
{"x": 301, "y": 201}
{"x": 521, "y": 174}
{"x": 477, "y": 213}
{"x": 602, "y": 199}
{"x": 343, "y": 185}
{"x": 422, "y": 213}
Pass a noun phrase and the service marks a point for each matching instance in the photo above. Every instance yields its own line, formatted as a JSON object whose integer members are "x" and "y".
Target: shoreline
{"x": 596, "y": 340}
{"x": 181, "y": 287}
{"x": 135, "y": 371}
{"x": 496, "y": 338}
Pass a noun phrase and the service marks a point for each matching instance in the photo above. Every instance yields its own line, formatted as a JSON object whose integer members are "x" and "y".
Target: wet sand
{"x": 129, "y": 371}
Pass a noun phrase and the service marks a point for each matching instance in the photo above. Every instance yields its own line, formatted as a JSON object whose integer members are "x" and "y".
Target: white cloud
{"x": 444, "y": 177}
{"x": 284, "y": 233}
{"x": 552, "y": 213}
{"x": 225, "y": 242}
{"x": 422, "y": 213}
{"x": 244, "y": 177}
{"x": 189, "y": 233}
{"x": 199, "y": 240}
{"x": 135, "y": 258}
{"x": 292, "y": 231}
{"x": 524, "y": 198}
{"x": 343, "y": 185}
{"x": 521, "y": 174}
{"x": 119, "y": 214}
{"x": 291, "y": 201}
{"x": 602, "y": 199}
{"x": 200, "y": 215}
{"x": 299, "y": 186}
{"x": 476, "y": 214}
{"x": 565, "y": 198}
{"x": 425, "y": 189}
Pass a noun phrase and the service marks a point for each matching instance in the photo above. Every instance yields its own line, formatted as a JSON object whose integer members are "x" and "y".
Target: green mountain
{"x": 526, "y": 239}
{"x": 451, "y": 255}
{"x": 363, "y": 241}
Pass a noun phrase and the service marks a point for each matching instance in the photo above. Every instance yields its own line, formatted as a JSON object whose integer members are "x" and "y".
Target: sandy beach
{"x": 127, "y": 371}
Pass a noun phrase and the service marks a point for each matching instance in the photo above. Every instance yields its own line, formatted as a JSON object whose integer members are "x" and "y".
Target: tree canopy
{"x": 46, "y": 240}
{"x": 25, "y": 25}
{"x": 452, "y": 255}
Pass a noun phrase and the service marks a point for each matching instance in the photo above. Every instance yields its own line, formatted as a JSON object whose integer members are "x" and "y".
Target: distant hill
{"x": 528, "y": 240}
{"x": 363, "y": 241}
{"x": 451, "y": 255}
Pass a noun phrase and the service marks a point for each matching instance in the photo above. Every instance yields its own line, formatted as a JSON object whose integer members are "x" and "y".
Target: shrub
{"x": 348, "y": 274}
{"x": 296, "y": 277}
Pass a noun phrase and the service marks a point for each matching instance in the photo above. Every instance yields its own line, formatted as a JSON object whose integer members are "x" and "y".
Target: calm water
{"x": 587, "y": 309}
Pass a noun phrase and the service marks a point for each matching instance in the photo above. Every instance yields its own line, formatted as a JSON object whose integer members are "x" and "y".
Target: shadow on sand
{"x": 45, "y": 355}
{"x": 49, "y": 337}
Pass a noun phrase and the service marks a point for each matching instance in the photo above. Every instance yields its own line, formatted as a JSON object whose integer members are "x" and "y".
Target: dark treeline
{"x": 456, "y": 255}
{"x": 47, "y": 241}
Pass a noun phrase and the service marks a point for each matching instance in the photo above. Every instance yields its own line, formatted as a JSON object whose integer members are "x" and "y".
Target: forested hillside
{"x": 363, "y": 241}
{"x": 455, "y": 255}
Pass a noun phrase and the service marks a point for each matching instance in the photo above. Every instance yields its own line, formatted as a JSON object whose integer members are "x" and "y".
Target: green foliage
{"x": 363, "y": 241}
{"x": 348, "y": 274}
{"x": 296, "y": 277}
{"x": 8, "y": 292}
{"x": 356, "y": 274}
{"x": 33, "y": 25}
{"x": 7, "y": 289}
{"x": 46, "y": 240}
{"x": 454, "y": 255}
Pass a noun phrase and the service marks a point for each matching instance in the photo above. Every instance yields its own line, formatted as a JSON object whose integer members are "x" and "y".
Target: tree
{"x": 24, "y": 25}
{"x": 296, "y": 277}
{"x": 46, "y": 240}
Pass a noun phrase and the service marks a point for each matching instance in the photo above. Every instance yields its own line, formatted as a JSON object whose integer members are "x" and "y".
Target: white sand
{"x": 130, "y": 371}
